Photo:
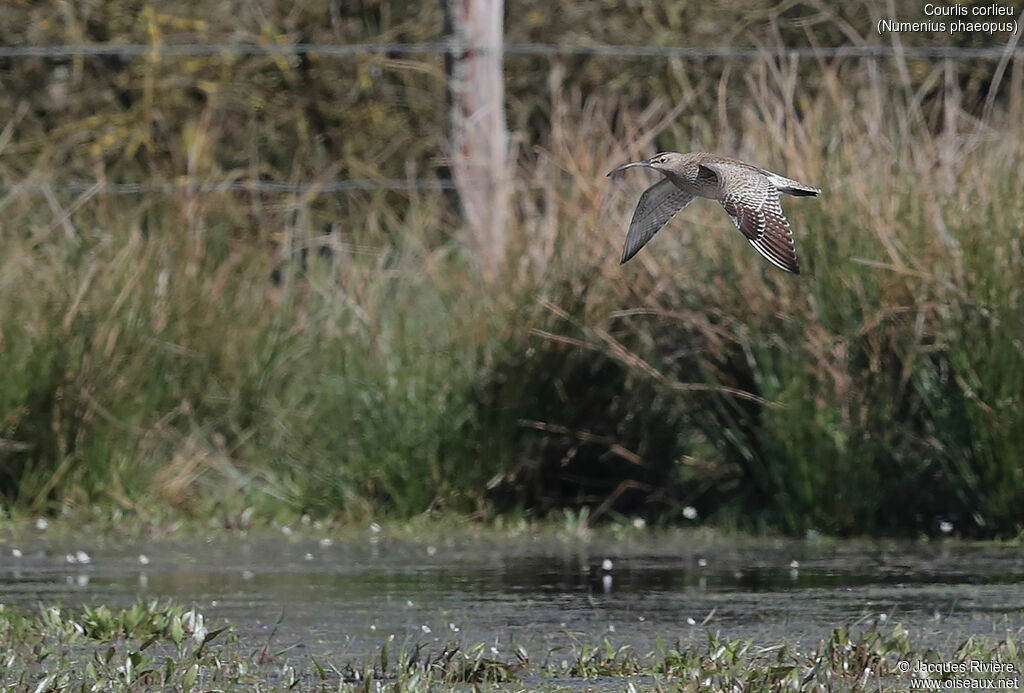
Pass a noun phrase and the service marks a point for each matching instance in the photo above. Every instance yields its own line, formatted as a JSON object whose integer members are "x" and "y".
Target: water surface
{"x": 343, "y": 597}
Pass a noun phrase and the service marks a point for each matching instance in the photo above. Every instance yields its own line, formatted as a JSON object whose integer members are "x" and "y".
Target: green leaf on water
{"x": 384, "y": 652}
{"x": 189, "y": 679}
{"x": 213, "y": 634}
{"x": 208, "y": 637}
{"x": 319, "y": 668}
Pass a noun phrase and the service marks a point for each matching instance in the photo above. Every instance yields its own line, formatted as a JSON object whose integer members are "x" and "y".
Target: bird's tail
{"x": 792, "y": 187}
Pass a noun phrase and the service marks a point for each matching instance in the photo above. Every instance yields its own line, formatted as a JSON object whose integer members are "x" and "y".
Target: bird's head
{"x": 663, "y": 161}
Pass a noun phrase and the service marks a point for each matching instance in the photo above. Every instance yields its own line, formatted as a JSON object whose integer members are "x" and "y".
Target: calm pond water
{"x": 345, "y": 596}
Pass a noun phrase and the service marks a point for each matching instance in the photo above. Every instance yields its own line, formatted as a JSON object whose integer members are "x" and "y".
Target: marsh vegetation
{"x": 163, "y": 645}
{"x": 231, "y": 352}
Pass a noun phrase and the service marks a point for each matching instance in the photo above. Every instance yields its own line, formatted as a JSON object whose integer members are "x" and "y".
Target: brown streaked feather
{"x": 657, "y": 205}
{"x": 752, "y": 202}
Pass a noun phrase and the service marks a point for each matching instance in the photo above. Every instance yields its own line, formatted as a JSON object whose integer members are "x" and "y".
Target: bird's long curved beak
{"x": 629, "y": 165}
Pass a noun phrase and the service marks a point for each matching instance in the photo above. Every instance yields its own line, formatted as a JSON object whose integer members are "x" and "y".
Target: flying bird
{"x": 749, "y": 194}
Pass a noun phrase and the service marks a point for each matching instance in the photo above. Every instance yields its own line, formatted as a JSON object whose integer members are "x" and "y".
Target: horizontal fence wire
{"x": 134, "y": 50}
{"x": 193, "y": 186}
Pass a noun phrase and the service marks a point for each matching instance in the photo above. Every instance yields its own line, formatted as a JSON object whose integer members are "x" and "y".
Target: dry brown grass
{"x": 341, "y": 351}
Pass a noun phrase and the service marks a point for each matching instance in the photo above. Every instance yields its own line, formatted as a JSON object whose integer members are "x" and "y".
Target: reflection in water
{"x": 346, "y": 596}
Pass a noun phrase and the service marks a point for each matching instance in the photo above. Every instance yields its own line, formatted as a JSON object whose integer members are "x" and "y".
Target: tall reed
{"x": 339, "y": 353}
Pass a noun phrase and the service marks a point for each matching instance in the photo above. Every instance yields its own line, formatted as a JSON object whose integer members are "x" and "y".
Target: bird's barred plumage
{"x": 657, "y": 205}
{"x": 749, "y": 195}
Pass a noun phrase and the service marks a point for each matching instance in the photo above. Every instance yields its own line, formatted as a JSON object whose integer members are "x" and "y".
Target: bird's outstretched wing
{"x": 752, "y": 202}
{"x": 657, "y": 205}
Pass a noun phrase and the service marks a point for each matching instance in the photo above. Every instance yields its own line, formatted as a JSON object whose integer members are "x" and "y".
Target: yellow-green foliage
{"x": 339, "y": 353}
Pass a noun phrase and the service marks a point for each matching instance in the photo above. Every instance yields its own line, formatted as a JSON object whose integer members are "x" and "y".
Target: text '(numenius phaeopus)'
{"x": 955, "y": 19}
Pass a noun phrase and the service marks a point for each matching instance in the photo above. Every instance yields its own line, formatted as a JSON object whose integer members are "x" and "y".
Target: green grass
{"x": 340, "y": 355}
{"x": 163, "y": 645}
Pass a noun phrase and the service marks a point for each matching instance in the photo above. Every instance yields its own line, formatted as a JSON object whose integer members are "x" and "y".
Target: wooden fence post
{"x": 478, "y": 147}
